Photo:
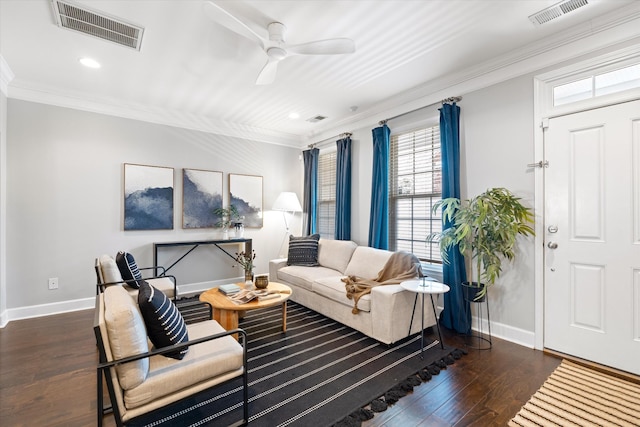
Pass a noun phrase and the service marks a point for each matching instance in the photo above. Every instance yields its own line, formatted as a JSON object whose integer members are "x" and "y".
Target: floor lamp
{"x": 287, "y": 202}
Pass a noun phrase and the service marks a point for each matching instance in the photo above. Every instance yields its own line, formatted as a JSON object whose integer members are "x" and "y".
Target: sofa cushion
{"x": 110, "y": 270}
{"x": 129, "y": 269}
{"x": 335, "y": 254}
{"x": 367, "y": 262}
{"x": 216, "y": 358}
{"x": 127, "y": 335}
{"x": 305, "y": 276}
{"x": 333, "y": 289}
{"x": 303, "y": 250}
{"x": 165, "y": 325}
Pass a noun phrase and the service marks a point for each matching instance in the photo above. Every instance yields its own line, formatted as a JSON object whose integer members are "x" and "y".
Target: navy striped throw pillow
{"x": 303, "y": 251}
{"x": 129, "y": 269}
{"x": 165, "y": 325}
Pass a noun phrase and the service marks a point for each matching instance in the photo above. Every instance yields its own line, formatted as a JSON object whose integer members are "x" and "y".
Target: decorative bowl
{"x": 261, "y": 281}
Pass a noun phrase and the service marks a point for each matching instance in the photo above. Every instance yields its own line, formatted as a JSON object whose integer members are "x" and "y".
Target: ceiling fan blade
{"x": 268, "y": 73}
{"x": 324, "y": 47}
{"x": 216, "y": 13}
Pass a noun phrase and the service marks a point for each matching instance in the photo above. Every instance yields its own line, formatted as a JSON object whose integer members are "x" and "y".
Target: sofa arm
{"x": 391, "y": 309}
{"x": 274, "y": 266}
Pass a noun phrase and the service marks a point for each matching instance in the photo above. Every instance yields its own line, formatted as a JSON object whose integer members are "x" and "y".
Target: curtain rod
{"x": 323, "y": 142}
{"x": 444, "y": 101}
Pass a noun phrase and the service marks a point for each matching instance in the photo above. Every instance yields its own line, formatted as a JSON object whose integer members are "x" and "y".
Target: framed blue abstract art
{"x": 245, "y": 193}
{"x": 148, "y": 197}
{"x": 201, "y": 196}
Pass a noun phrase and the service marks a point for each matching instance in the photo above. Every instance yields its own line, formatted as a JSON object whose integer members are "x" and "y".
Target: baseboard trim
{"x": 505, "y": 332}
{"x": 4, "y": 319}
{"x": 48, "y": 309}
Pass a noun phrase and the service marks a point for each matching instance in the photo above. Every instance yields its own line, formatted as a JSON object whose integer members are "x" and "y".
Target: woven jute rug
{"x": 578, "y": 396}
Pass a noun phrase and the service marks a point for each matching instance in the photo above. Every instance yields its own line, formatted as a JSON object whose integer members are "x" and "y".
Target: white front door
{"x": 592, "y": 236}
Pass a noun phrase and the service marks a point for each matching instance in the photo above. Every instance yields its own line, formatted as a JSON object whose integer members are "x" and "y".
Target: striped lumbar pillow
{"x": 129, "y": 269}
{"x": 165, "y": 325}
{"x": 303, "y": 250}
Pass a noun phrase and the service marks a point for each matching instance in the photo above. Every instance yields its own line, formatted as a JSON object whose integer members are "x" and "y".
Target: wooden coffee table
{"x": 227, "y": 312}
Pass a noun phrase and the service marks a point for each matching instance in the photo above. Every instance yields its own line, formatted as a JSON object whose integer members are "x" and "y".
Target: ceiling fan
{"x": 274, "y": 44}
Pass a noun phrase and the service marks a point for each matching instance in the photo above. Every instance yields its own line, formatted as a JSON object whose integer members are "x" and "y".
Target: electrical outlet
{"x": 53, "y": 283}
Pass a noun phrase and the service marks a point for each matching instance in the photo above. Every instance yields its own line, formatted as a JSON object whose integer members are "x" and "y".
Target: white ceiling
{"x": 191, "y": 69}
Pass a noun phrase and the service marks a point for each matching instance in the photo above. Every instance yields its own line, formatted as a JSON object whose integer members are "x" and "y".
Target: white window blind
{"x": 327, "y": 194}
{"x": 415, "y": 184}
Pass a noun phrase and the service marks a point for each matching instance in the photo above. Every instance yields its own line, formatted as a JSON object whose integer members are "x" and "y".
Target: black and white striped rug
{"x": 317, "y": 373}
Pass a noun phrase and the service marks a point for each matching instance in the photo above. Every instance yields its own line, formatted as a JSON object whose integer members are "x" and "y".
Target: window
{"x": 595, "y": 85}
{"x": 327, "y": 194}
{"x": 415, "y": 184}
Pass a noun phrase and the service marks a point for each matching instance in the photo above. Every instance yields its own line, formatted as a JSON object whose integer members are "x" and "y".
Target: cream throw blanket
{"x": 400, "y": 266}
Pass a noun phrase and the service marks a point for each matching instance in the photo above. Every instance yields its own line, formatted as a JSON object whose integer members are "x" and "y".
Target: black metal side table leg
{"x": 422, "y": 329}
{"x": 433, "y": 305}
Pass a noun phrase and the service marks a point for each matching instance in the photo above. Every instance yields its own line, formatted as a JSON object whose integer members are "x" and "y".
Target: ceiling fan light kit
{"x": 275, "y": 46}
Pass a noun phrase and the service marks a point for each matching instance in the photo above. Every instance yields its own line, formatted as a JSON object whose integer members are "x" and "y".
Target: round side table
{"x": 425, "y": 286}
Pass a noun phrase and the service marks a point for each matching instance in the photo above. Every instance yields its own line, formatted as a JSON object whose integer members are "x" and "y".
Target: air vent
{"x": 80, "y": 18}
{"x": 556, "y": 11}
{"x": 316, "y": 119}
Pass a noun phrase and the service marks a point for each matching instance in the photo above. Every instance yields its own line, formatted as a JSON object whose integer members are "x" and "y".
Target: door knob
{"x": 552, "y": 245}
{"x": 553, "y": 229}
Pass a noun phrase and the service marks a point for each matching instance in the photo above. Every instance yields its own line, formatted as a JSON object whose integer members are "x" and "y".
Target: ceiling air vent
{"x": 79, "y": 18}
{"x": 556, "y": 11}
{"x": 316, "y": 119}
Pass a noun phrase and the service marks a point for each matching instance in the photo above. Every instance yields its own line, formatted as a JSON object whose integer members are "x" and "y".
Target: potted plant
{"x": 246, "y": 261}
{"x": 486, "y": 227}
{"x": 228, "y": 217}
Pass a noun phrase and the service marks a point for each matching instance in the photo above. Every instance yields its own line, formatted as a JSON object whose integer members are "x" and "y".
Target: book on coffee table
{"x": 229, "y": 289}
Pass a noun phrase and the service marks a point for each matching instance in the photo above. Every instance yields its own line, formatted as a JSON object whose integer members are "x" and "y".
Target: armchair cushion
{"x": 129, "y": 269}
{"x": 109, "y": 269}
{"x": 127, "y": 336}
{"x": 165, "y": 325}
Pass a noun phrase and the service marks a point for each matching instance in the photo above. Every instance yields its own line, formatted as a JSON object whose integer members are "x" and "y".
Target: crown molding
{"x": 609, "y": 31}
{"x": 52, "y": 96}
{"x": 6, "y": 75}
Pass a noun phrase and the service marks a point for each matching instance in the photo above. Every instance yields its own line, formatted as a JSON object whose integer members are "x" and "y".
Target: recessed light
{"x": 88, "y": 62}
{"x": 294, "y": 115}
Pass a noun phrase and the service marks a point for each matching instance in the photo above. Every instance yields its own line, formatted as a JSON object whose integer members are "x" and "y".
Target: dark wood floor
{"x": 48, "y": 378}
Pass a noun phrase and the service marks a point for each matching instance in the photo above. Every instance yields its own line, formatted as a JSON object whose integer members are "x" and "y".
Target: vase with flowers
{"x": 245, "y": 260}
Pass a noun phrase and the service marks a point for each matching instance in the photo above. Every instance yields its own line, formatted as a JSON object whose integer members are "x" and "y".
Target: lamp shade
{"x": 287, "y": 201}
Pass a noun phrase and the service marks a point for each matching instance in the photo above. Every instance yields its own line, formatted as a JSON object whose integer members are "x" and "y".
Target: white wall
{"x": 64, "y": 198}
{"x": 3, "y": 206}
{"x": 496, "y": 144}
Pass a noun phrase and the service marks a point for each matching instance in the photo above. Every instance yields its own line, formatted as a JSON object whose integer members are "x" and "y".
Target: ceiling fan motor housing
{"x": 276, "y": 53}
{"x": 276, "y": 32}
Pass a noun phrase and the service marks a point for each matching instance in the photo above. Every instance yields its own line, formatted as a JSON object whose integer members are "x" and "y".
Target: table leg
{"x": 433, "y": 305}
{"x": 422, "y": 329}
{"x": 284, "y": 316}
{"x": 228, "y": 319}
{"x": 413, "y": 312}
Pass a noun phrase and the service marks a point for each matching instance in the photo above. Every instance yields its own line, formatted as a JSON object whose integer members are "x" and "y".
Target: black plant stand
{"x": 478, "y": 340}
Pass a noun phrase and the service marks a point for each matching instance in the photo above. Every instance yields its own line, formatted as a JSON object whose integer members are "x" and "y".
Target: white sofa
{"x": 384, "y": 314}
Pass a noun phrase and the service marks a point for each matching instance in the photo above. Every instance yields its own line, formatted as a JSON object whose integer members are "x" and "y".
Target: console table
{"x": 194, "y": 244}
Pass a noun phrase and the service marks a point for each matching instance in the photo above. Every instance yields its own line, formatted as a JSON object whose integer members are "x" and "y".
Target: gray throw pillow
{"x": 303, "y": 251}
